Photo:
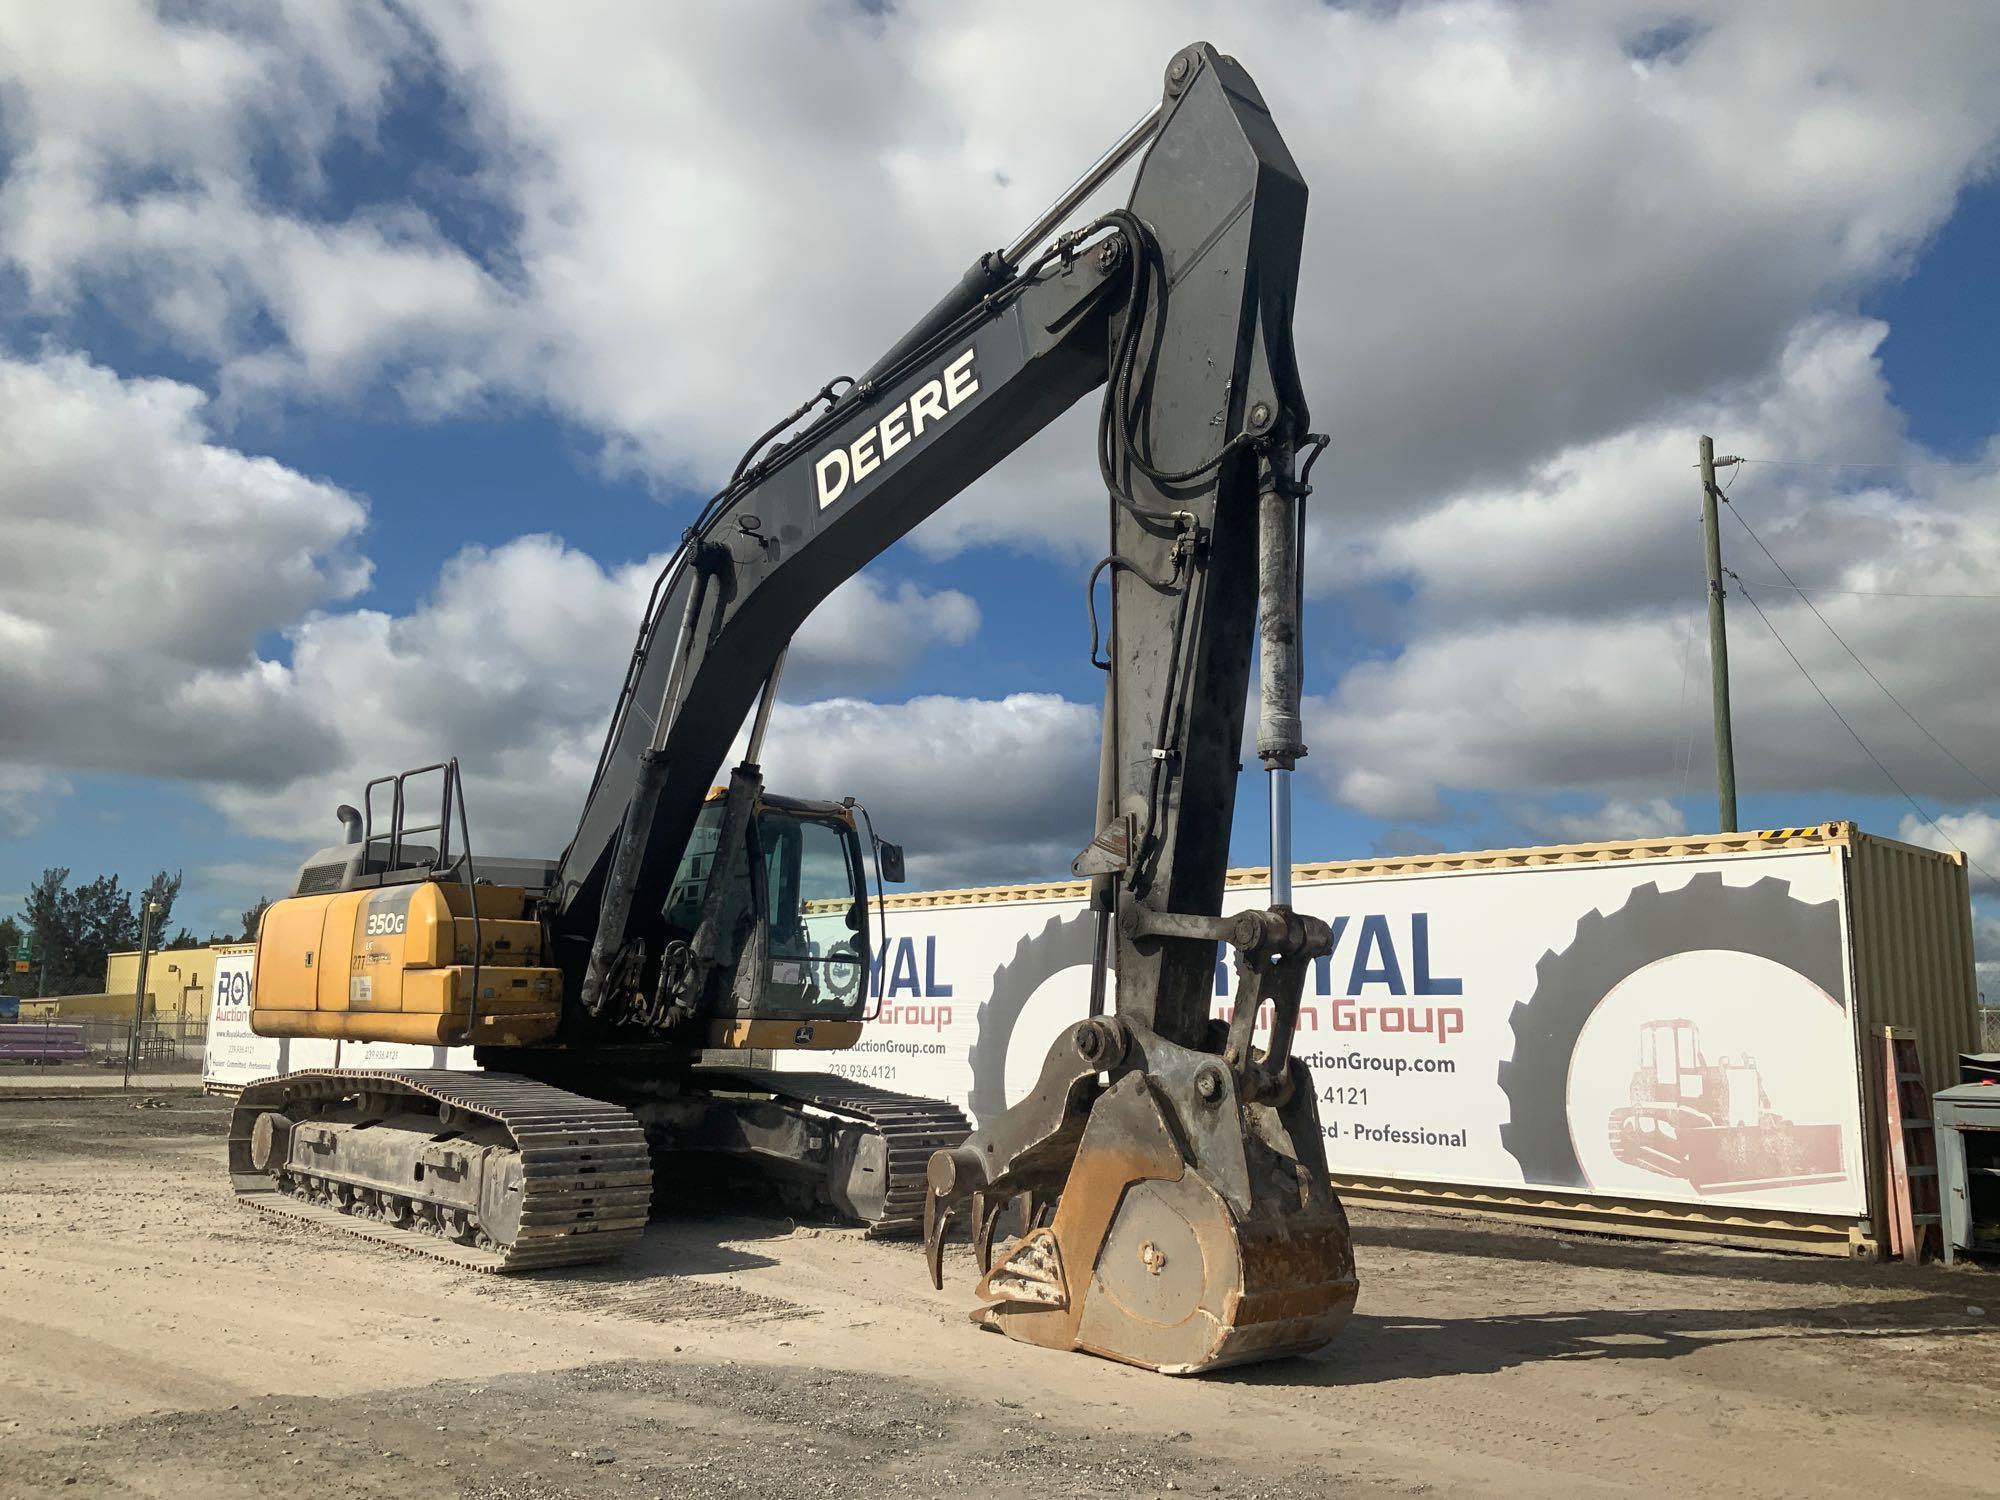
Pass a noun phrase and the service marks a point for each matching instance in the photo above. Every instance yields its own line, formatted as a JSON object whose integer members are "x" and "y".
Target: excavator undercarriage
{"x": 484, "y": 1170}
{"x": 499, "y": 1172}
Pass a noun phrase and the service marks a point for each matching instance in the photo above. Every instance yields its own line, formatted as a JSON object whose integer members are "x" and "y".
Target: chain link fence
{"x": 92, "y": 1048}
{"x": 1989, "y": 1022}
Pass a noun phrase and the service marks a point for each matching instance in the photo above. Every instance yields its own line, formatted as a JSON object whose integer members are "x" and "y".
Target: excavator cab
{"x": 786, "y": 898}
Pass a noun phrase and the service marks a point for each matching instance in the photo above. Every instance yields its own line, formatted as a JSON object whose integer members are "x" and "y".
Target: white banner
{"x": 403, "y": 1055}
{"x": 236, "y": 1055}
{"x": 1676, "y": 1030}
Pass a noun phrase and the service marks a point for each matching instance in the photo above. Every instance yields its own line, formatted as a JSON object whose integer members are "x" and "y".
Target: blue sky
{"x": 488, "y": 284}
{"x": 1944, "y": 328}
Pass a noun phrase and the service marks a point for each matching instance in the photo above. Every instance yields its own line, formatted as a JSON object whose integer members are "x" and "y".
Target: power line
{"x": 1792, "y": 584}
{"x": 1904, "y": 467}
{"x": 1764, "y": 583}
{"x": 1887, "y": 774}
{"x": 1807, "y": 601}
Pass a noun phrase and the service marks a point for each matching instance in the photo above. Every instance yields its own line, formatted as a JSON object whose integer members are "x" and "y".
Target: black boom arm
{"x": 1181, "y": 307}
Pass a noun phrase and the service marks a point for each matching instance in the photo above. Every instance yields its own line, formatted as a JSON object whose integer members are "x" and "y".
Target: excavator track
{"x": 910, "y": 1129}
{"x": 483, "y": 1170}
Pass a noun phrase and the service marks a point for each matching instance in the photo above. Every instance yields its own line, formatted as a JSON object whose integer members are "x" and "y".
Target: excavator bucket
{"x": 1148, "y": 1262}
{"x": 1193, "y": 1224}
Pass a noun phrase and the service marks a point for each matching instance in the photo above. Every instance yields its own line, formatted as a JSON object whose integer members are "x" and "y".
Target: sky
{"x": 360, "y": 362}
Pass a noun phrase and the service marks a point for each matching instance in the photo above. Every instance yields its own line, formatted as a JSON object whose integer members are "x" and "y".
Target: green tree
{"x": 165, "y": 889}
{"x": 51, "y": 917}
{"x": 253, "y": 917}
{"x": 78, "y": 927}
{"x": 10, "y": 944}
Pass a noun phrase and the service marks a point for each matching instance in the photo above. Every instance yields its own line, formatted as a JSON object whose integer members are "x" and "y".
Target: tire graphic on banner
{"x": 1763, "y": 920}
{"x": 1063, "y": 943}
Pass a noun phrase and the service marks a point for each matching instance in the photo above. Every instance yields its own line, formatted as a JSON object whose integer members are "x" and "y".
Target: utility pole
{"x": 139, "y": 990}
{"x": 1718, "y": 639}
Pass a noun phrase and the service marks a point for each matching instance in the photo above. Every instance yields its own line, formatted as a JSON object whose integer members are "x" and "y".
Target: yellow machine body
{"x": 782, "y": 1036}
{"x": 395, "y": 964}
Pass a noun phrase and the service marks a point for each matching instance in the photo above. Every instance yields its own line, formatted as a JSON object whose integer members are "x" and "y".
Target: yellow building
{"x": 179, "y": 981}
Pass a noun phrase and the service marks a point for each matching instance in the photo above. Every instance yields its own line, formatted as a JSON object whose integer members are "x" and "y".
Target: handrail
{"x": 471, "y": 896}
{"x": 399, "y": 831}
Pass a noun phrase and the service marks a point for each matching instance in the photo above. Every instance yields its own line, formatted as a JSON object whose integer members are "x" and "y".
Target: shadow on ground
{"x": 1491, "y": 1240}
{"x": 1373, "y": 1348}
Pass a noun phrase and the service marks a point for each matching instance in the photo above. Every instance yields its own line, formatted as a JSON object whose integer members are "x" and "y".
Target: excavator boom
{"x": 1180, "y": 307}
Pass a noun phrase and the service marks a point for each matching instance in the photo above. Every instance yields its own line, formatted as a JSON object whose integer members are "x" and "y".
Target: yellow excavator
{"x": 1167, "y": 1175}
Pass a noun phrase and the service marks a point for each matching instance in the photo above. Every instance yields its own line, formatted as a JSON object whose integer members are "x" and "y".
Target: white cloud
{"x": 27, "y": 795}
{"x": 1554, "y": 634}
{"x": 1618, "y": 818}
{"x": 1986, "y": 955}
{"x": 147, "y": 564}
{"x": 867, "y": 633}
{"x": 1502, "y": 193}
{"x": 1978, "y": 834}
{"x": 144, "y": 562}
{"x": 683, "y": 207}
{"x": 512, "y": 664}
{"x": 1601, "y": 527}
{"x": 172, "y": 170}
{"x": 977, "y": 790}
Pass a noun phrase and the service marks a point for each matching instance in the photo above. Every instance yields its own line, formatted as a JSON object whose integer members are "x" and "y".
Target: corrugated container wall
{"x": 1910, "y": 912}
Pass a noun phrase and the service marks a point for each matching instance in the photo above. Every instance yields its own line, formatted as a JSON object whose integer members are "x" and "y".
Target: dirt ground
{"x": 157, "y": 1339}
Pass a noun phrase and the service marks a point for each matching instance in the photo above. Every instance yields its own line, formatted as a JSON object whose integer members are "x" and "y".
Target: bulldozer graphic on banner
{"x": 1711, "y": 1124}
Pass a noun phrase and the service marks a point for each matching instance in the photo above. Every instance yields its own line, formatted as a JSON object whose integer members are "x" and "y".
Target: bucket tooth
{"x": 1029, "y": 1273}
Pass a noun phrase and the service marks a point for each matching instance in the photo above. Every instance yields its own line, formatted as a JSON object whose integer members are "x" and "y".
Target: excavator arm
{"x": 774, "y": 545}
{"x": 1178, "y": 1214}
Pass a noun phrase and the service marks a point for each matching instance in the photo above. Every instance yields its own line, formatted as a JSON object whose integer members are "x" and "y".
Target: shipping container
{"x": 1671, "y": 1036}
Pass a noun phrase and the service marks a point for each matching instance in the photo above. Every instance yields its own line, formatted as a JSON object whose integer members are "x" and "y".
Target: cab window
{"x": 818, "y": 908}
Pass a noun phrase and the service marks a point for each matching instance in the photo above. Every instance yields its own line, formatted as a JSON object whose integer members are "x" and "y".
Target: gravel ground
{"x": 158, "y": 1339}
